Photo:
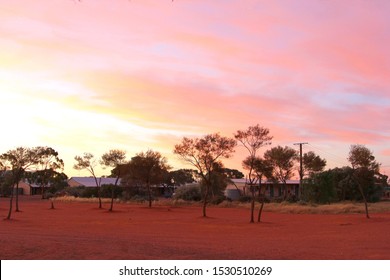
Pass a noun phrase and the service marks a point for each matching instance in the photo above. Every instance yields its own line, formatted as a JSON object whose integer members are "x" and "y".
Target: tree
{"x": 203, "y": 153}
{"x": 89, "y": 163}
{"x": 115, "y": 159}
{"x": 6, "y": 182}
{"x": 313, "y": 163}
{"x": 253, "y": 139}
{"x": 18, "y": 161}
{"x": 364, "y": 169}
{"x": 48, "y": 163}
{"x": 148, "y": 168}
{"x": 232, "y": 173}
{"x": 322, "y": 187}
{"x": 262, "y": 168}
{"x": 282, "y": 159}
{"x": 218, "y": 183}
{"x": 177, "y": 178}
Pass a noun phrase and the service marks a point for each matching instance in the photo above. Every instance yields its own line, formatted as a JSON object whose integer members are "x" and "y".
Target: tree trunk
{"x": 150, "y": 195}
{"x": 252, "y": 205}
{"x": 42, "y": 192}
{"x": 98, "y": 190}
{"x": 364, "y": 199}
{"x": 360, "y": 188}
{"x": 17, "y": 197}
{"x": 112, "y": 191}
{"x": 261, "y": 206}
{"x": 205, "y": 200}
{"x": 100, "y": 199}
{"x": 10, "y": 203}
{"x": 112, "y": 199}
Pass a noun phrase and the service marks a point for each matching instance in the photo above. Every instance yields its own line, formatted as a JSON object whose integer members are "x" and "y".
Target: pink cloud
{"x": 310, "y": 69}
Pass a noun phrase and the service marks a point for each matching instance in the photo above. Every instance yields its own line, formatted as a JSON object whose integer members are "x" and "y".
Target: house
{"x": 90, "y": 182}
{"x": 25, "y": 188}
{"x": 240, "y": 187}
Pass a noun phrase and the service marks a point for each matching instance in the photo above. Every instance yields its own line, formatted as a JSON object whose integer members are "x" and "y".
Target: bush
{"x": 188, "y": 193}
{"x": 141, "y": 198}
{"x": 217, "y": 199}
{"x": 81, "y": 192}
{"x": 245, "y": 198}
{"x": 105, "y": 191}
{"x": 48, "y": 195}
{"x": 75, "y": 191}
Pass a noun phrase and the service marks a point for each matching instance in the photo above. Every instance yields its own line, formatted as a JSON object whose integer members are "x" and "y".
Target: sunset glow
{"x": 89, "y": 76}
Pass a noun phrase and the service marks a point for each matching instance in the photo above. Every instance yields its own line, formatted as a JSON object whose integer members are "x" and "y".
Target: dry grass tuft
{"x": 284, "y": 207}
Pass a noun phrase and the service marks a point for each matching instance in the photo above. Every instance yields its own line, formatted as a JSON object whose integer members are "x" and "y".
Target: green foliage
{"x": 188, "y": 193}
{"x": 282, "y": 159}
{"x": 320, "y": 188}
{"x": 106, "y": 191}
{"x": 75, "y": 191}
{"x": 218, "y": 181}
{"x": 217, "y": 199}
{"x": 181, "y": 177}
{"x": 6, "y": 181}
{"x": 245, "y": 198}
{"x": 312, "y": 163}
{"x": 233, "y": 173}
{"x": 340, "y": 184}
{"x": 82, "y": 192}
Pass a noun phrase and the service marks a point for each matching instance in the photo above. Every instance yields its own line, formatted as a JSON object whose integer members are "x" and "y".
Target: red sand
{"x": 82, "y": 231}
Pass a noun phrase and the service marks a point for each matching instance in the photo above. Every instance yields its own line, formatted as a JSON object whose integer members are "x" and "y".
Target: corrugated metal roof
{"x": 90, "y": 181}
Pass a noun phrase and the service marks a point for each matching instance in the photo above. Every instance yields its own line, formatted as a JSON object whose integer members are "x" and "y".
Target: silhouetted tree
{"x": 282, "y": 159}
{"x": 232, "y": 173}
{"x": 115, "y": 159}
{"x": 262, "y": 168}
{"x": 313, "y": 163}
{"x": 48, "y": 163}
{"x": 149, "y": 169}
{"x": 88, "y": 162}
{"x": 364, "y": 169}
{"x": 203, "y": 153}
{"x": 253, "y": 139}
{"x": 18, "y": 161}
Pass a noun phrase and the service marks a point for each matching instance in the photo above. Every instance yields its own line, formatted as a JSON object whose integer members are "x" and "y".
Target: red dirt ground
{"x": 76, "y": 231}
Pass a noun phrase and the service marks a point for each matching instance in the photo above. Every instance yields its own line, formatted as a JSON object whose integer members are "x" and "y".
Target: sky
{"x": 94, "y": 75}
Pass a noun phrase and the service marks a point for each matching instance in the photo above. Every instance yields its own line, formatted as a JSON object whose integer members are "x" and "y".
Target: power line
{"x": 336, "y": 158}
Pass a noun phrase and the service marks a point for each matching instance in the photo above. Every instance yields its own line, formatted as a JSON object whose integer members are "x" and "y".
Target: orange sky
{"x": 94, "y": 75}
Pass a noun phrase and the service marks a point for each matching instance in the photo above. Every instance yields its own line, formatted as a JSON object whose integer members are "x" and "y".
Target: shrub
{"x": 245, "y": 198}
{"x": 217, "y": 199}
{"x": 75, "y": 191}
{"x": 105, "y": 191}
{"x": 188, "y": 193}
{"x": 48, "y": 195}
{"x": 141, "y": 198}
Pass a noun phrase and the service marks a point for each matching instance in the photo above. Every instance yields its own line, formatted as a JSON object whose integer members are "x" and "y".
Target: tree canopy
{"x": 114, "y": 159}
{"x": 203, "y": 153}
{"x": 148, "y": 168}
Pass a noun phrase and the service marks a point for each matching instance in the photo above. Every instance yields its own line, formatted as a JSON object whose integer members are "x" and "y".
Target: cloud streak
{"x": 149, "y": 72}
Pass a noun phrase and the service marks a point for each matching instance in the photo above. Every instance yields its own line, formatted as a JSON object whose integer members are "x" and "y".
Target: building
{"x": 25, "y": 188}
{"x": 273, "y": 190}
{"x": 90, "y": 182}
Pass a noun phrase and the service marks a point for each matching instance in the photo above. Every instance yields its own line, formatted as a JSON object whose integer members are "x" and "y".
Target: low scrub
{"x": 188, "y": 193}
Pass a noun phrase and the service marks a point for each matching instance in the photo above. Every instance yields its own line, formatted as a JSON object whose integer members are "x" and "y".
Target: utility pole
{"x": 300, "y": 167}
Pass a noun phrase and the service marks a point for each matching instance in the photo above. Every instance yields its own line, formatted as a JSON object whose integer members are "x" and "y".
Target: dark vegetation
{"x": 147, "y": 176}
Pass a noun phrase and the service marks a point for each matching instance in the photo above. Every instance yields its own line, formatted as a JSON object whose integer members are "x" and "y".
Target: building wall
{"x": 26, "y": 189}
{"x": 271, "y": 190}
